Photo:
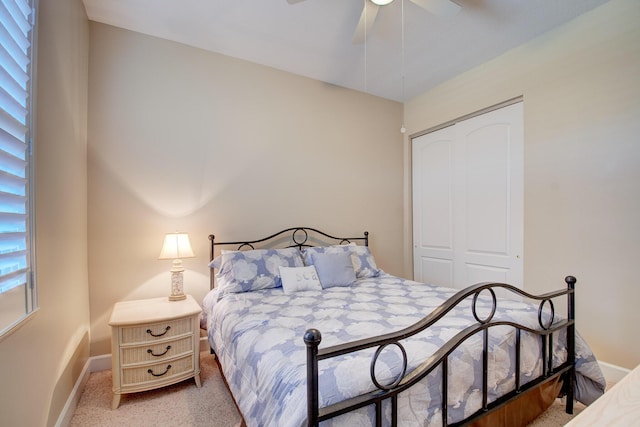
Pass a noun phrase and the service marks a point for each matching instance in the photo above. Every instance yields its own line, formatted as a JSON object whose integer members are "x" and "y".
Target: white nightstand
{"x": 154, "y": 343}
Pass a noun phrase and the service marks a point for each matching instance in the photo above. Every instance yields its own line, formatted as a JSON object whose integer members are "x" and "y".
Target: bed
{"x": 307, "y": 330}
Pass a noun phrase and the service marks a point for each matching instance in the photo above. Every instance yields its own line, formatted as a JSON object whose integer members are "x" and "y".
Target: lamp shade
{"x": 176, "y": 246}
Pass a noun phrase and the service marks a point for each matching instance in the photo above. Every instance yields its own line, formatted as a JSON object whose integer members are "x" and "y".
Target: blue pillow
{"x": 245, "y": 271}
{"x": 363, "y": 262}
{"x": 334, "y": 269}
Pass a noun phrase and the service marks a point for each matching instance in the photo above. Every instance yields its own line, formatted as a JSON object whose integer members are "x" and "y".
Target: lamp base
{"x": 177, "y": 292}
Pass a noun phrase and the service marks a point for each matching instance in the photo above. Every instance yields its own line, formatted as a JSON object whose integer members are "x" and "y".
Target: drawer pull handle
{"x": 158, "y": 335}
{"x": 159, "y": 375}
{"x": 159, "y": 354}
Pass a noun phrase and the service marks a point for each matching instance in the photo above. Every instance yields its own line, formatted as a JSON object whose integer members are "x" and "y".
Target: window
{"x": 18, "y": 297}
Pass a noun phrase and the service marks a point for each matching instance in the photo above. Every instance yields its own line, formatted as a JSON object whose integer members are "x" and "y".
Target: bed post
{"x": 211, "y": 237}
{"x": 571, "y": 342}
{"x": 312, "y": 339}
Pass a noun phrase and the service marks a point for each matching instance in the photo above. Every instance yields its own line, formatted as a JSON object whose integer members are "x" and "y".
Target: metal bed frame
{"x": 299, "y": 237}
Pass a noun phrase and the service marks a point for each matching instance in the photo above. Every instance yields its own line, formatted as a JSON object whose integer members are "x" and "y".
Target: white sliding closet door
{"x": 468, "y": 201}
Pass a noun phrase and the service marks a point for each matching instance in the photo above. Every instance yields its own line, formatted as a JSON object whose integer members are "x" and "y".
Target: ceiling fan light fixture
{"x": 381, "y": 2}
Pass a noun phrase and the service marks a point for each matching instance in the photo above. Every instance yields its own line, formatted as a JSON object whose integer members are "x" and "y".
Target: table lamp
{"x": 176, "y": 246}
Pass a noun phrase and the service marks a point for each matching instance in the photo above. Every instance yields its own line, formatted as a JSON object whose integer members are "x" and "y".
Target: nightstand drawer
{"x": 156, "y": 352}
{"x": 156, "y": 372}
{"x": 156, "y": 331}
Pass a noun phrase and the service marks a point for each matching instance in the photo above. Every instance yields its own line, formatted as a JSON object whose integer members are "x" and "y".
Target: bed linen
{"x": 257, "y": 336}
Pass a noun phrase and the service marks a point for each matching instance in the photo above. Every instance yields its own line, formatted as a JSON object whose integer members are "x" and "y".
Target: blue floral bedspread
{"x": 258, "y": 338}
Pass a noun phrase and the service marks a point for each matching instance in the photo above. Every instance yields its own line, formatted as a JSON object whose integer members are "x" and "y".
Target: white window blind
{"x": 17, "y": 288}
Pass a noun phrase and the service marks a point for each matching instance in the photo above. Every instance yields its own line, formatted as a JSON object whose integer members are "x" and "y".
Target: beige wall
{"x": 581, "y": 88}
{"x": 184, "y": 139}
{"x": 41, "y": 361}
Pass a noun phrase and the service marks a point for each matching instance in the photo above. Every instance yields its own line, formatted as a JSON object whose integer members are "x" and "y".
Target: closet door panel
{"x": 487, "y": 190}
{"x": 436, "y": 271}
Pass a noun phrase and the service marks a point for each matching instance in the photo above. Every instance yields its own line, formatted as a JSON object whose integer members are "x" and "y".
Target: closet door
{"x": 468, "y": 201}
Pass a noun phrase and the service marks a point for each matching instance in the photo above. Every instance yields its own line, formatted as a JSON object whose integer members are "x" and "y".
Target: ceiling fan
{"x": 440, "y": 8}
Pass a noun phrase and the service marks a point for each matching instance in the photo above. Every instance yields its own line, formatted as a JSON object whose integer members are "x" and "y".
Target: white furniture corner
{"x": 154, "y": 343}
{"x": 618, "y": 407}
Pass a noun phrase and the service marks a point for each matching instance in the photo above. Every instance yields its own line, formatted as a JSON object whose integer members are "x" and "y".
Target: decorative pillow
{"x": 244, "y": 271}
{"x": 217, "y": 261}
{"x": 334, "y": 269}
{"x": 296, "y": 279}
{"x": 363, "y": 262}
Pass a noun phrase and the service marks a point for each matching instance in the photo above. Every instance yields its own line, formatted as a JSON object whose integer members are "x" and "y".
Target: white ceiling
{"x": 314, "y": 38}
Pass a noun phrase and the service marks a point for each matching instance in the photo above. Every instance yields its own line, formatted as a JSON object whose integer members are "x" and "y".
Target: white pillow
{"x": 296, "y": 279}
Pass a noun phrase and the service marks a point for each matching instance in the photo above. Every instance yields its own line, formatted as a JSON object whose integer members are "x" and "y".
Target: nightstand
{"x": 154, "y": 343}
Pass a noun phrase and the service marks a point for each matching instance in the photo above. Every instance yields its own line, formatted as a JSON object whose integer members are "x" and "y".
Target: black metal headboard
{"x": 300, "y": 237}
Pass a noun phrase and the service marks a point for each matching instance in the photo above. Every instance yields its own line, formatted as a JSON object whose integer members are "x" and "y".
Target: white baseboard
{"x": 94, "y": 364}
{"x": 100, "y": 363}
{"x": 72, "y": 402}
{"x": 613, "y": 373}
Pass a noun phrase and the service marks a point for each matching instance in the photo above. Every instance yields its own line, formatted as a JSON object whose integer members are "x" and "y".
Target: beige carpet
{"x": 181, "y": 404}
{"x": 184, "y": 404}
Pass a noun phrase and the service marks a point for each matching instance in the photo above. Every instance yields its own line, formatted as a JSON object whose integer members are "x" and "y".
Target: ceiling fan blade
{"x": 367, "y": 18}
{"x": 440, "y": 8}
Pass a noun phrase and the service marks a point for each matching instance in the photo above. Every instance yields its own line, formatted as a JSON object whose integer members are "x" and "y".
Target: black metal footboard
{"x": 546, "y": 330}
